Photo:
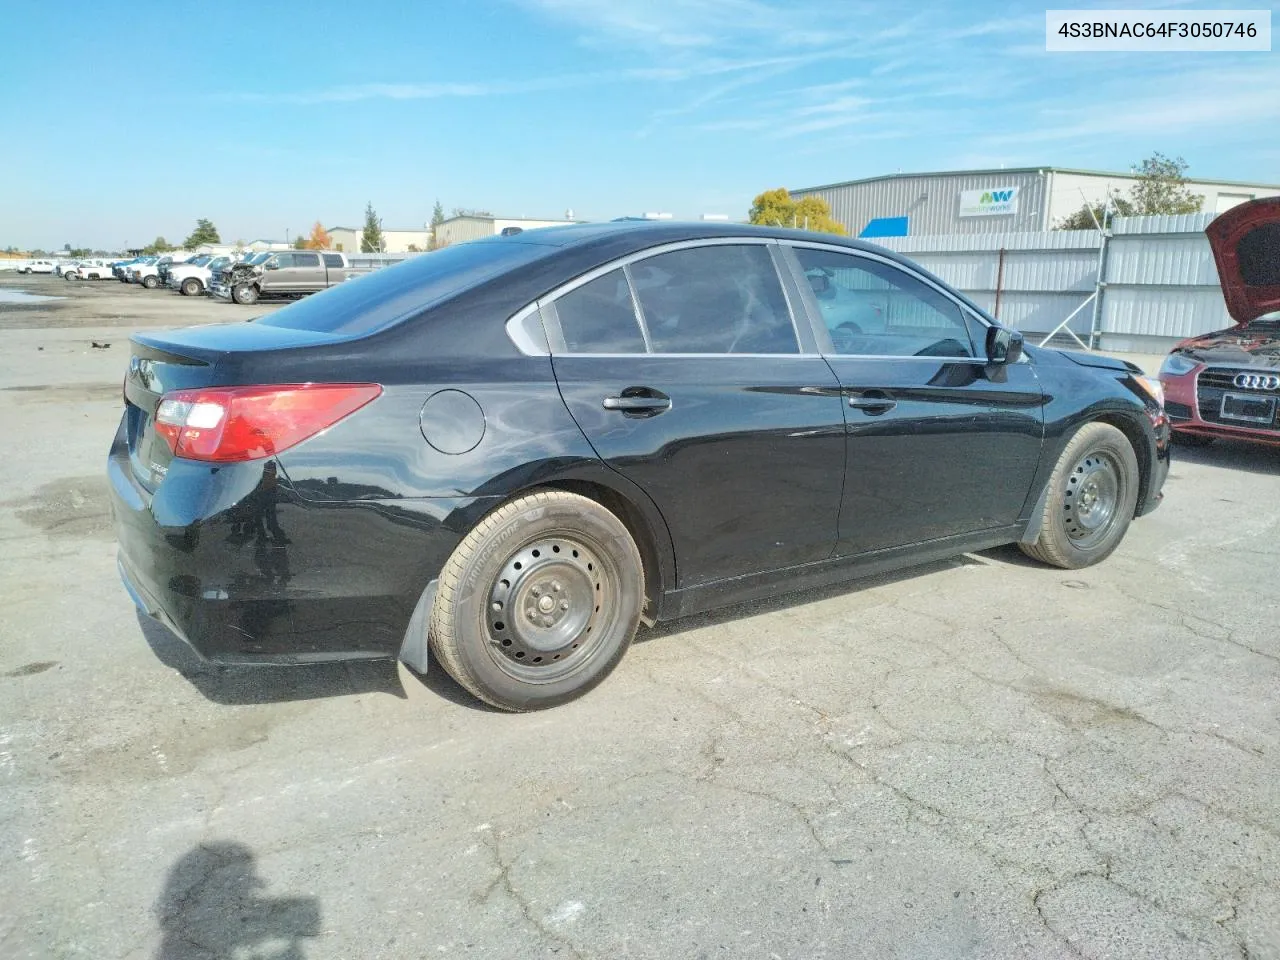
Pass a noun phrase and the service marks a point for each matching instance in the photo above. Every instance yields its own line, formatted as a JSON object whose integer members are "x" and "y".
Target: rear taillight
{"x": 244, "y": 423}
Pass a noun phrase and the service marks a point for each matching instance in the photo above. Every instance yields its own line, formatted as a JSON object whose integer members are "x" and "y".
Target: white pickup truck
{"x": 192, "y": 278}
{"x": 88, "y": 270}
{"x": 37, "y": 266}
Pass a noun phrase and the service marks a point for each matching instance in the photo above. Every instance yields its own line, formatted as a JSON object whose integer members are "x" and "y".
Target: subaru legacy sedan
{"x": 507, "y": 454}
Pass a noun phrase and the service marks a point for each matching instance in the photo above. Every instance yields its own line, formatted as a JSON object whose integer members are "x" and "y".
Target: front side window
{"x": 872, "y": 308}
{"x": 714, "y": 299}
{"x": 598, "y": 317}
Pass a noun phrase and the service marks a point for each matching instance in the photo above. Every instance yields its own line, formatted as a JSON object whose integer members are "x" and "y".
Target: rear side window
{"x": 714, "y": 299}
{"x": 333, "y": 259}
{"x": 598, "y": 317}
{"x": 306, "y": 259}
{"x": 391, "y": 294}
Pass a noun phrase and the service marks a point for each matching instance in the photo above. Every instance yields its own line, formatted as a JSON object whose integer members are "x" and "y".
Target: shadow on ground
{"x": 269, "y": 684}
{"x": 212, "y": 907}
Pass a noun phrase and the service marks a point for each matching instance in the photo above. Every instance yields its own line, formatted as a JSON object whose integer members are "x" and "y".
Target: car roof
{"x": 653, "y": 232}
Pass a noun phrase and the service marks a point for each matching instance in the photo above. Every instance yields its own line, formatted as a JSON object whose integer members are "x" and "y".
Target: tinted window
{"x": 598, "y": 317}
{"x": 333, "y": 260}
{"x": 717, "y": 299}
{"x": 873, "y": 308}
{"x": 306, "y": 259}
{"x": 282, "y": 260}
{"x": 391, "y": 294}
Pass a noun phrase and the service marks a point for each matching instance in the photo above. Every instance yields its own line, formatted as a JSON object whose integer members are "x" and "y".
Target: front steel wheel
{"x": 1092, "y": 495}
{"x": 539, "y": 602}
{"x": 245, "y": 293}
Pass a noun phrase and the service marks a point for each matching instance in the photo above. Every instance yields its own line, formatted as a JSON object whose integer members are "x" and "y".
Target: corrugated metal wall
{"x": 1159, "y": 281}
{"x": 932, "y": 203}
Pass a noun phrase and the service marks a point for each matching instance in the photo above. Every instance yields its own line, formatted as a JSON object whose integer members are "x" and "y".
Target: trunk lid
{"x": 1246, "y": 248}
{"x": 167, "y": 360}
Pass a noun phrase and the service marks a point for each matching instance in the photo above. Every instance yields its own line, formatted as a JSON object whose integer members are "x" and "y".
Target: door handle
{"x": 873, "y": 404}
{"x": 649, "y": 402}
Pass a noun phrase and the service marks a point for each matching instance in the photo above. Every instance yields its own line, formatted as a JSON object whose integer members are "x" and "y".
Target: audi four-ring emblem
{"x": 1257, "y": 381}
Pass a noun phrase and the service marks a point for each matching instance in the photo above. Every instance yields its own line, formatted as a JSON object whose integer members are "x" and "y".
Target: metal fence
{"x": 1150, "y": 281}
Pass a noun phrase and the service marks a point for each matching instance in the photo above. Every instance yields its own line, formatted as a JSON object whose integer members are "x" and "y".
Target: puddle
{"x": 21, "y": 296}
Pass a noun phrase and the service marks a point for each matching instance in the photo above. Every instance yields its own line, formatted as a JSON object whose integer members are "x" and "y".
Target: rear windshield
{"x": 395, "y": 293}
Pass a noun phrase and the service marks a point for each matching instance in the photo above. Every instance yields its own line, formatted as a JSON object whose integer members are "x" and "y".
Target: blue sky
{"x": 119, "y": 123}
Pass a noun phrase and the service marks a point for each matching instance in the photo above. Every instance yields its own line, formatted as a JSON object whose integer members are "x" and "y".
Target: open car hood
{"x": 1246, "y": 247}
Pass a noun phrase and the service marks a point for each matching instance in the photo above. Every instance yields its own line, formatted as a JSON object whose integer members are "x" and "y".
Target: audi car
{"x": 507, "y": 455}
{"x": 1227, "y": 383}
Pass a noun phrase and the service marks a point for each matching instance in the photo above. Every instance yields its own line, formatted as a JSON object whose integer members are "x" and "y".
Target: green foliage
{"x": 159, "y": 245}
{"x": 776, "y": 208}
{"x": 300, "y": 243}
{"x": 1161, "y": 189}
{"x": 437, "y": 218}
{"x": 371, "y": 239}
{"x": 413, "y": 248}
{"x": 205, "y": 232}
{"x": 1090, "y": 217}
{"x": 79, "y": 253}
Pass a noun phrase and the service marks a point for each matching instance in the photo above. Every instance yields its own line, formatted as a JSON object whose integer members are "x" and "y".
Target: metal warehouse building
{"x": 1015, "y": 200}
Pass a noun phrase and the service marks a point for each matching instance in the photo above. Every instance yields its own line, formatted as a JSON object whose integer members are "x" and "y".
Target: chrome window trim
{"x": 519, "y": 333}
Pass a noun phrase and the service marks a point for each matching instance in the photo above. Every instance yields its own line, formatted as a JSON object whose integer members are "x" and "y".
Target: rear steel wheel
{"x": 539, "y": 602}
{"x": 1092, "y": 495}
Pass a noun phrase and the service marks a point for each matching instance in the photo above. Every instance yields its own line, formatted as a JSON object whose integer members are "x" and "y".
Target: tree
{"x": 776, "y": 208}
{"x": 159, "y": 245}
{"x": 204, "y": 233}
{"x": 319, "y": 239}
{"x": 239, "y": 247}
{"x": 371, "y": 240}
{"x": 437, "y": 218}
{"x": 1099, "y": 214}
{"x": 300, "y": 243}
{"x": 1161, "y": 189}
{"x": 412, "y": 248}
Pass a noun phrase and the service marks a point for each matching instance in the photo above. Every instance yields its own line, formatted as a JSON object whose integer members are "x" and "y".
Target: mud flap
{"x": 1032, "y": 533}
{"x": 413, "y": 649}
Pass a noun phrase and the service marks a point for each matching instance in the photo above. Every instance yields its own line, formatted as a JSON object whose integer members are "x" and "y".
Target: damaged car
{"x": 287, "y": 273}
{"x": 1227, "y": 383}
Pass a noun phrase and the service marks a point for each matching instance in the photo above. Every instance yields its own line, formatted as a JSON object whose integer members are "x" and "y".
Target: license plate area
{"x": 1248, "y": 408}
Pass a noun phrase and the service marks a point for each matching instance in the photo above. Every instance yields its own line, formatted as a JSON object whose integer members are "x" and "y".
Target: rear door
{"x": 335, "y": 268}
{"x": 308, "y": 273}
{"x": 687, "y": 372}
{"x": 1246, "y": 246}
{"x": 940, "y": 443}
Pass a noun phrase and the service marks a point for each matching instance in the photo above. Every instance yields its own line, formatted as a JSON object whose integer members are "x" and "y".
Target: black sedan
{"x": 510, "y": 452}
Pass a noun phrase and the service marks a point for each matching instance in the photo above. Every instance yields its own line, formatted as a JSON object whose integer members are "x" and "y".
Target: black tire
{"x": 1092, "y": 496}
{"x": 151, "y": 281}
{"x": 191, "y": 287}
{"x": 539, "y": 602}
{"x": 1192, "y": 439}
{"x": 245, "y": 293}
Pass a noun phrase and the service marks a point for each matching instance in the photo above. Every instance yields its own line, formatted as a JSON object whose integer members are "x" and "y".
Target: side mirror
{"x": 271, "y": 265}
{"x": 1003, "y": 345}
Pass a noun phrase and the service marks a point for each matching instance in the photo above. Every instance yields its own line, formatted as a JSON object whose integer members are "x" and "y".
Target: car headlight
{"x": 1177, "y": 364}
{"x": 1153, "y": 387}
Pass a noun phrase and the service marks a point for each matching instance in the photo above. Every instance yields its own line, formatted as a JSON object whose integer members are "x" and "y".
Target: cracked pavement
{"x": 977, "y": 758}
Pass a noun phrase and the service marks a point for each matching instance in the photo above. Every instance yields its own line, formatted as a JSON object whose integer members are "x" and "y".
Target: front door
{"x": 940, "y": 442}
{"x": 687, "y": 374}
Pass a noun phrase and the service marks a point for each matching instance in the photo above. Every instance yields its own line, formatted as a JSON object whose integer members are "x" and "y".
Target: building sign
{"x": 998, "y": 201}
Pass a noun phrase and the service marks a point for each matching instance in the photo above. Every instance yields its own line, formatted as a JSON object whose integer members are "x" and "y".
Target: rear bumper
{"x": 244, "y": 571}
